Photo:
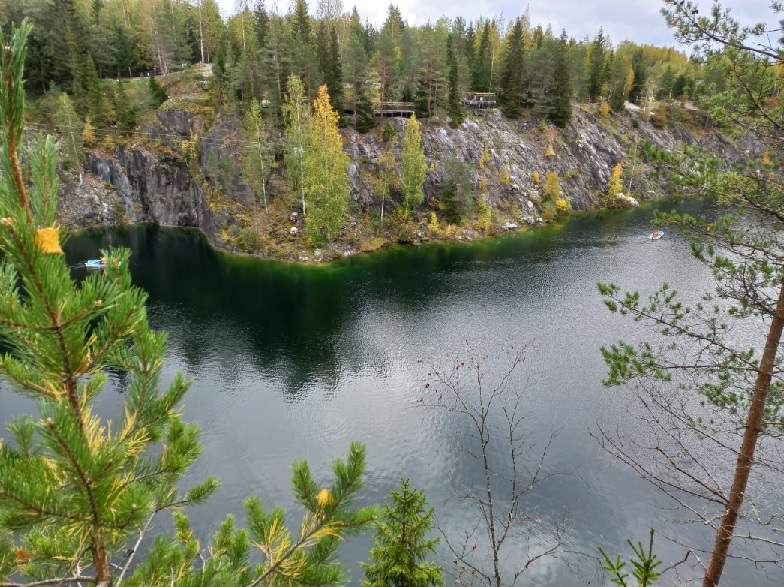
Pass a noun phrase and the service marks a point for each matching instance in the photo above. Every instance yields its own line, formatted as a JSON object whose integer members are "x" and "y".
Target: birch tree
{"x": 325, "y": 172}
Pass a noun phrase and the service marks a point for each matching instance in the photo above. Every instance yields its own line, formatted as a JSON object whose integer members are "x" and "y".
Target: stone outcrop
{"x": 183, "y": 171}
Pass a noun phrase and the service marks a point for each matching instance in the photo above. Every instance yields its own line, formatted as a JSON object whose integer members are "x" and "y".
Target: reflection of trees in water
{"x": 302, "y": 326}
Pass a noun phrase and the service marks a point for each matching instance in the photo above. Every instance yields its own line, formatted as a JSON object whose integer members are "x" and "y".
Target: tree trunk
{"x": 747, "y": 447}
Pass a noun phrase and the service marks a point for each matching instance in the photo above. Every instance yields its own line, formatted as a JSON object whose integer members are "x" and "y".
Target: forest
{"x": 253, "y": 52}
{"x": 97, "y": 70}
{"x": 79, "y": 491}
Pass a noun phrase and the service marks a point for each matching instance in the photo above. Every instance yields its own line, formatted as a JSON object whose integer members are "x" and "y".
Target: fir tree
{"x": 334, "y": 80}
{"x": 596, "y": 76}
{"x": 400, "y": 546}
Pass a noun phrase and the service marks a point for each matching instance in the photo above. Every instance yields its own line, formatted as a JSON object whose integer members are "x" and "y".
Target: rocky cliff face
{"x": 186, "y": 172}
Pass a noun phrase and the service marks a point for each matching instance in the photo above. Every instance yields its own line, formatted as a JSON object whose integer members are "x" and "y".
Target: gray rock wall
{"x": 151, "y": 182}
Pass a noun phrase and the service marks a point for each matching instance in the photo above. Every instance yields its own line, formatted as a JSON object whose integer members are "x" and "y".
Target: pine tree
{"x": 79, "y": 492}
{"x": 325, "y": 173}
{"x": 400, "y": 546}
{"x": 413, "y": 166}
{"x": 72, "y": 489}
{"x": 699, "y": 360}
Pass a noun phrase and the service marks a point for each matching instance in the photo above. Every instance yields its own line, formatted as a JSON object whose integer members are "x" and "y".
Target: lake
{"x": 294, "y": 361}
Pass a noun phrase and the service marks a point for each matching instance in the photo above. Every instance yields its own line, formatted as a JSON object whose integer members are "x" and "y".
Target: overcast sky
{"x": 633, "y": 20}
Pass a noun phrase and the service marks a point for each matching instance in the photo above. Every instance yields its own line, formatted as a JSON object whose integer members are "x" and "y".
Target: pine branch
{"x": 62, "y": 581}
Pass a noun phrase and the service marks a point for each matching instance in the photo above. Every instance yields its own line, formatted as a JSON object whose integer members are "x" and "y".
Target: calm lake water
{"x": 291, "y": 362}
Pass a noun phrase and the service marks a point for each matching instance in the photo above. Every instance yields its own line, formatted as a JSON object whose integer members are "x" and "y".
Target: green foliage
{"x": 157, "y": 92}
{"x": 78, "y": 491}
{"x": 413, "y": 166}
{"x": 644, "y": 564}
{"x": 72, "y": 489}
{"x": 126, "y": 114}
{"x": 388, "y": 133}
{"x": 258, "y": 155}
{"x": 400, "y": 546}
{"x": 697, "y": 353}
{"x": 296, "y": 114}
{"x": 456, "y": 190}
{"x": 70, "y": 127}
{"x": 304, "y": 557}
{"x": 325, "y": 173}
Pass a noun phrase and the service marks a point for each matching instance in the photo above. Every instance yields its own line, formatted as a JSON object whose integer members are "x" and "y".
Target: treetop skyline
{"x": 638, "y": 21}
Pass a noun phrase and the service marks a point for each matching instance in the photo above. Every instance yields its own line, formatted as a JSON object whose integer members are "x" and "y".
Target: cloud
{"x": 622, "y": 20}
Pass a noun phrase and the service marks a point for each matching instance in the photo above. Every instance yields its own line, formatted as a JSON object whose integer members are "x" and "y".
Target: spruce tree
{"x": 126, "y": 114}
{"x": 454, "y": 107}
{"x": 98, "y": 107}
{"x": 511, "y": 95}
{"x": 562, "y": 87}
{"x": 596, "y": 72}
{"x": 480, "y": 81}
{"x": 400, "y": 546}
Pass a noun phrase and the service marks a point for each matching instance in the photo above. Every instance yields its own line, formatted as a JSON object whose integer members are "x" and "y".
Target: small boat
{"x": 95, "y": 263}
{"x": 656, "y": 235}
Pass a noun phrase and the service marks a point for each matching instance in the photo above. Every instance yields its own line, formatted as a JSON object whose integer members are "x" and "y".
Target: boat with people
{"x": 95, "y": 263}
{"x": 656, "y": 235}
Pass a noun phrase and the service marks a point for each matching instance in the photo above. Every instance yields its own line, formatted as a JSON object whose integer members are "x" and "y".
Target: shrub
{"x": 485, "y": 158}
{"x": 457, "y": 192}
{"x": 388, "y": 132}
{"x": 552, "y": 187}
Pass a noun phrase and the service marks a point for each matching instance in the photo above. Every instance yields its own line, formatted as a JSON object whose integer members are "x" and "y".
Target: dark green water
{"x": 292, "y": 361}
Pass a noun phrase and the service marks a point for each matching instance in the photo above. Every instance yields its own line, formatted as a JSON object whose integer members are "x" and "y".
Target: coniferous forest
{"x": 80, "y": 492}
{"x": 96, "y": 71}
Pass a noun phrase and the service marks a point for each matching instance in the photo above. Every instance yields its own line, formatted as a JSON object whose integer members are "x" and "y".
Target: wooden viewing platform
{"x": 480, "y": 100}
{"x": 394, "y": 109}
